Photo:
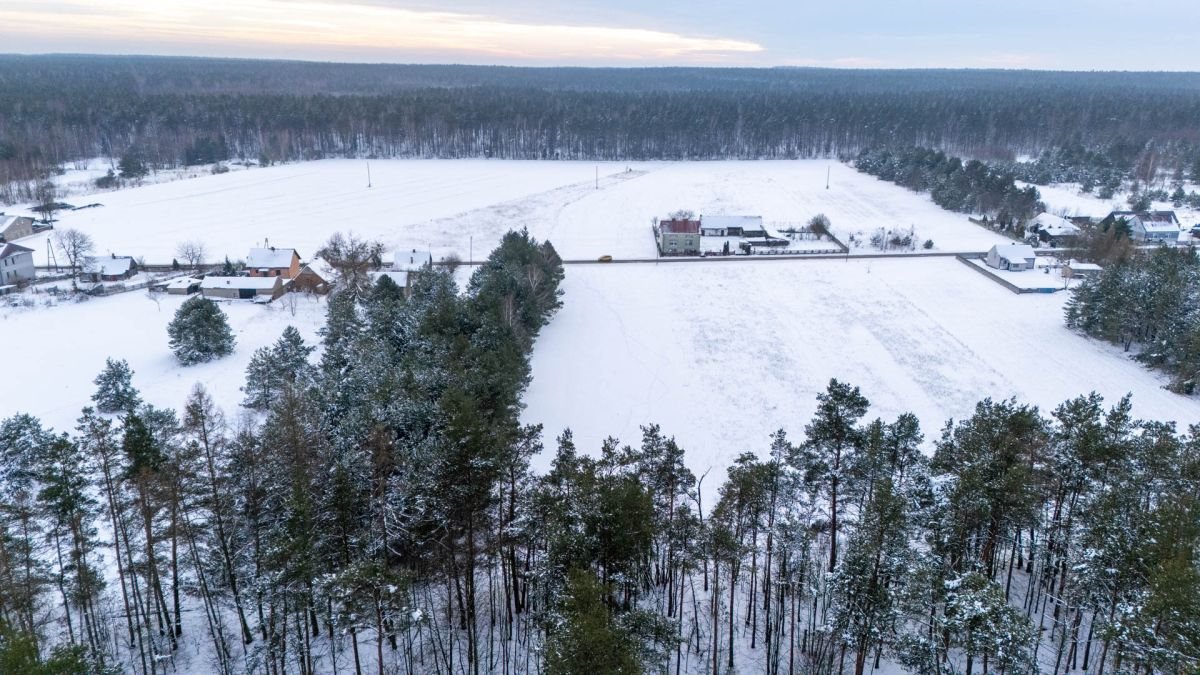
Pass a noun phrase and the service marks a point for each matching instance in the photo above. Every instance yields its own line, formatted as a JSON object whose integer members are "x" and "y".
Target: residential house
{"x": 315, "y": 277}
{"x": 732, "y": 226}
{"x": 405, "y": 267}
{"x": 262, "y": 288}
{"x": 273, "y": 262}
{"x": 107, "y": 268}
{"x": 1048, "y": 228}
{"x": 678, "y": 236}
{"x": 1011, "y": 257}
{"x": 16, "y": 264}
{"x": 1152, "y": 227}
{"x": 15, "y": 227}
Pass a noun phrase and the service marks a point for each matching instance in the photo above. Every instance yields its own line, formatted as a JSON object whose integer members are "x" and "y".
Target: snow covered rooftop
{"x": 1152, "y": 221}
{"x": 182, "y": 282}
{"x": 107, "y": 265}
{"x": 726, "y": 221}
{"x": 13, "y": 249}
{"x": 5, "y": 221}
{"x": 257, "y": 283}
{"x": 270, "y": 258}
{"x": 398, "y": 276}
{"x": 1055, "y": 226}
{"x": 1015, "y": 251}
{"x": 412, "y": 260}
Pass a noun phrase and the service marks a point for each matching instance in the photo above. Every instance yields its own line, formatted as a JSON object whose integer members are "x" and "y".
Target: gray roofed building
{"x": 16, "y": 264}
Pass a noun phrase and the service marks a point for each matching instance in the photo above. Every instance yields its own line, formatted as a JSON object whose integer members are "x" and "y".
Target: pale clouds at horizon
{"x": 1067, "y": 34}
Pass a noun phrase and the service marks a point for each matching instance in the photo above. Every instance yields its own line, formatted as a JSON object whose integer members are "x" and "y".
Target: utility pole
{"x": 597, "y": 176}
{"x": 368, "y": 174}
{"x": 827, "y": 170}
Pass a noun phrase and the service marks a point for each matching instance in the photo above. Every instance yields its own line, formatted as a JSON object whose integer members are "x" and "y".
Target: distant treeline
{"x": 58, "y": 108}
{"x": 967, "y": 187}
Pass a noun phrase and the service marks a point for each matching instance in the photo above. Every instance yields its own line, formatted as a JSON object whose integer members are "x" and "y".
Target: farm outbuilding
{"x": 242, "y": 288}
{"x": 108, "y": 268}
{"x": 182, "y": 286}
{"x": 732, "y": 226}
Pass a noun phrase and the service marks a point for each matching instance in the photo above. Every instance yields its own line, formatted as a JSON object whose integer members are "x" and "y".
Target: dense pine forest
{"x": 369, "y": 506}
{"x": 168, "y": 111}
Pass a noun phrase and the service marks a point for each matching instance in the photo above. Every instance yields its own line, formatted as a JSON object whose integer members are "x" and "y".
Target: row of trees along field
{"x": 968, "y": 187}
{"x": 373, "y": 510}
{"x": 167, "y": 111}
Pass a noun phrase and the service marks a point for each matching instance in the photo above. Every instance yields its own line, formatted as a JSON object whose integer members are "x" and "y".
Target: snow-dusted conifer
{"x": 115, "y": 392}
{"x": 200, "y": 332}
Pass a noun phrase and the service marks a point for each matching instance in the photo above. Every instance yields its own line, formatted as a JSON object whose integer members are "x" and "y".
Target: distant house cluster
{"x": 268, "y": 274}
{"x": 1147, "y": 227}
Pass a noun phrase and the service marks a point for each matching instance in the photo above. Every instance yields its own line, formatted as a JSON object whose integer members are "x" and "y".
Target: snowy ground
{"x": 719, "y": 353}
{"x": 464, "y": 206}
{"x": 56, "y": 352}
{"x": 722, "y": 354}
{"x": 1046, "y": 276}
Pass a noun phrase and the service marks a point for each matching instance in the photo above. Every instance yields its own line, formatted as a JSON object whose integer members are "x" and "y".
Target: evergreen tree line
{"x": 1105, "y": 167}
{"x": 1145, "y": 301}
{"x": 967, "y": 187}
{"x": 166, "y": 112}
{"x": 1026, "y": 543}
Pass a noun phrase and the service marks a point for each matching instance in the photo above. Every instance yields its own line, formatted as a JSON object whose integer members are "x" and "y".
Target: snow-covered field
{"x": 719, "y": 353}
{"x": 722, "y": 354}
{"x": 54, "y": 353}
{"x": 464, "y": 206}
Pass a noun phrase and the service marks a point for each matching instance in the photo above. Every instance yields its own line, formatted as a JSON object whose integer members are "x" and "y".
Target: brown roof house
{"x": 273, "y": 262}
{"x": 315, "y": 277}
{"x": 678, "y": 236}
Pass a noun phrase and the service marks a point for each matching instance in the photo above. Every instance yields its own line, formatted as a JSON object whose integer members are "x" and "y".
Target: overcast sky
{"x": 1044, "y": 34}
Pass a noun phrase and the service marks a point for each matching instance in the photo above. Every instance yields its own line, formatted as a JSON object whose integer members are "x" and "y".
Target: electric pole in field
{"x": 368, "y": 174}
{"x": 597, "y": 176}
{"x": 827, "y": 170}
